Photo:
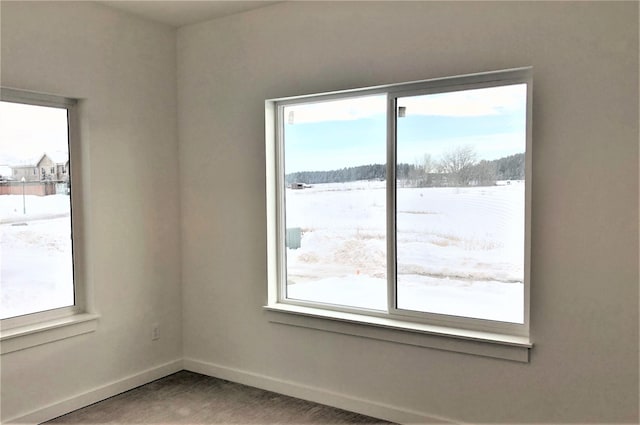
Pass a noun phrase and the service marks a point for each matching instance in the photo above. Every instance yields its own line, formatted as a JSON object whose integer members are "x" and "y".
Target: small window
{"x": 37, "y": 265}
{"x": 407, "y": 201}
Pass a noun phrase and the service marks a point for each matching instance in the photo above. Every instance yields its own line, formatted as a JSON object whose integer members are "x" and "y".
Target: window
{"x": 407, "y": 202}
{"x": 37, "y": 243}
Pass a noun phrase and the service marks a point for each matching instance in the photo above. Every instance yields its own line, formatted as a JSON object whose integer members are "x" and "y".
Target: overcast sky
{"x": 28, "y": 131}
{"x": 351, "y": 132}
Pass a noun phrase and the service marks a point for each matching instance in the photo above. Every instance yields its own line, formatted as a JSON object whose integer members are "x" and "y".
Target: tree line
{"x": 457, "y": 167}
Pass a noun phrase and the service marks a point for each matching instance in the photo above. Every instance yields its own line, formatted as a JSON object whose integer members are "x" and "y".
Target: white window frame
{"x": 316, "y": 315}
{"x": 20, "y": 332}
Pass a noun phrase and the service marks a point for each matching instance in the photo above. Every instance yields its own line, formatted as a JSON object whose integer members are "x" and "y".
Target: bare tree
{"x": 422, "y": 167}
{"x": 458, "y": 164}
{"x": 427, "y": 164}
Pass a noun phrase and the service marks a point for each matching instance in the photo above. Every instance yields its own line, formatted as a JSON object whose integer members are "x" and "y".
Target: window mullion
{"x": 281, "y": 225}
{"x": 391, "y": 203}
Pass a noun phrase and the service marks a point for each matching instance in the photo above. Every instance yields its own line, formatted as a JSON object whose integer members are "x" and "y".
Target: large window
{"x": 37, "y": 267}
{"x": 408, "y": 201}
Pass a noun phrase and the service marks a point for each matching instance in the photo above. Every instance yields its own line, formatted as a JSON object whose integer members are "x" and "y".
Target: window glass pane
{"x": 460, "y": 203}
{"x": 335, "y": 208}
{"x": 36, "y": 266}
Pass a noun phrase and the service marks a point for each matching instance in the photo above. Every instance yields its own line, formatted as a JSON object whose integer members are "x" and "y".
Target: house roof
{"x": 59, "y": 157}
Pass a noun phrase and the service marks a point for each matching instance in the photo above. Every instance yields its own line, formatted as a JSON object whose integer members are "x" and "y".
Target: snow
{"x": 36, "y": 207}
{"x": 460, "y": 251}
{"x": 36, "y": 267}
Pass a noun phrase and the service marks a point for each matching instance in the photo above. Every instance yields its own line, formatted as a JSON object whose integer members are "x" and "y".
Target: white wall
{"x": 584, "y": 367}
{"x": 124, "y": 70}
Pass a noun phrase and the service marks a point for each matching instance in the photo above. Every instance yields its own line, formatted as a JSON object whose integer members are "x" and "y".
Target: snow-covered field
{"x": 36, "y": 268}
{"x": 459, "y": 250}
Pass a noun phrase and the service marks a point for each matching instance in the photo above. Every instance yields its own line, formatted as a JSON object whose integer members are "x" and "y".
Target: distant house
{"x": 27, "y": 171}
{"x": 52, "y": 167}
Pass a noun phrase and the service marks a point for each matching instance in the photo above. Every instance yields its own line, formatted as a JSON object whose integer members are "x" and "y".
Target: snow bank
{"x": 37, "y": 207}
{"x": 36, "y": 268}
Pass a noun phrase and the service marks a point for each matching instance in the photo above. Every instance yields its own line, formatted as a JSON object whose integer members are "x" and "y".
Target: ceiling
{"x": 179, "y": 13}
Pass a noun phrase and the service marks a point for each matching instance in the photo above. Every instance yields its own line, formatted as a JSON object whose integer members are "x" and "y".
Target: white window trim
{"x": 501, "y": 346}
{"x": 28, "y": 336}
{"x": 502, "y": 340}
{"x": 18, "y": 333}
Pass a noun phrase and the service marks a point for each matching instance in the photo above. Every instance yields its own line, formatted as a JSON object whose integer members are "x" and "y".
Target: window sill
{"x": 508, "y": 347}
{"x": 27, "y": 336}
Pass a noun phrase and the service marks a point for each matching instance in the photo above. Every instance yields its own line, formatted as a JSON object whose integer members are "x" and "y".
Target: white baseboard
{"x": 97, "y": 394}
{"x": 317, "y": 395}
{"x": 306, "y": 392}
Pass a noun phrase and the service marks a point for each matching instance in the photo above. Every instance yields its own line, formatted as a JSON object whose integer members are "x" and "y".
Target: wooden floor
{"x": 191, "y": 398}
